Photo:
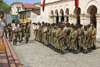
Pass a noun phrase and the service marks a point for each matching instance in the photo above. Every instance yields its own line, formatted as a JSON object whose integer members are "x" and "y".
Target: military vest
{"x": 20, "y": 29}
{"x": 10, "y": 29}
{"x": 27, "y": 30}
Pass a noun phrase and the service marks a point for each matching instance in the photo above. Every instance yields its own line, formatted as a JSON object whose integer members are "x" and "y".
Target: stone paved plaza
{"x": 35, "y": 54}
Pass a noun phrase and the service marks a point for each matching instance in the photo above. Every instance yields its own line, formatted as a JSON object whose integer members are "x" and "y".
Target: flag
{"x": 76, "y": 3}
{"x": 43, "y": 4}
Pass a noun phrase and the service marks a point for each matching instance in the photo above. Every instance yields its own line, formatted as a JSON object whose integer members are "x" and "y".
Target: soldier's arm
{"x": 30, "y": 31}
{"x": 75, "y": 37}
{"x": 89, "y": 36}
{"x": 84, "y": 39}
{"x": 95, "y": 34}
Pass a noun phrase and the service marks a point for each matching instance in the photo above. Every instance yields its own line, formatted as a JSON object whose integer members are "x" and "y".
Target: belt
{"x": 79, "y": 34}
{"x": 72, "y": 38}
{"x": 15, "y": 32}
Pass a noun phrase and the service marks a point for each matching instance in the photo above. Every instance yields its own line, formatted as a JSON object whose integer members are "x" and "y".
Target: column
{"x": 87, "y": 19}
{"x": 60, "y": 18}
{"x": 82, "y": 19}
{"x": 74, "y": 19}
{"x": 70, "y": 18}
{"x": 54, "y": 19}
{"x": 98, "y": 26}
{"x": 65, "y": 18}
{"x": 51, "y": 19}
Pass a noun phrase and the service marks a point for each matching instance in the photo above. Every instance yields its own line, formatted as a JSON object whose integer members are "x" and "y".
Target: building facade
{"x": 26, "y": 16}
{"x": 64, "y": 10}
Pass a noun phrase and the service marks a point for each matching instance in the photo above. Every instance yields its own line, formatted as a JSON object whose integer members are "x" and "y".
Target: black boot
{"x": 62, "y": 52}
{"x": 75, "y": 51}
{"x": 19, "y": 41}
{"x": 85, "y": 52}
{"x": 93, "y": 48}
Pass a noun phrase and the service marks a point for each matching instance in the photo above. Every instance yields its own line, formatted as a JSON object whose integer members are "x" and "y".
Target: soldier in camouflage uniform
{"x": 10, "y": 32}
{"x": 27, "y": 32}
{"x": 61, "y": 39}
{"x": 20, "y": 29}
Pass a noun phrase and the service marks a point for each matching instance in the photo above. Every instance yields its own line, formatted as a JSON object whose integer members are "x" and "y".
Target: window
{"x": 17, "y": 9}
{"x": 25, "y": 8}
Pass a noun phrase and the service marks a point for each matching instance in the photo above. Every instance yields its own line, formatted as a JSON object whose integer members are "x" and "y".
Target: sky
{"x": 9, "y": 2}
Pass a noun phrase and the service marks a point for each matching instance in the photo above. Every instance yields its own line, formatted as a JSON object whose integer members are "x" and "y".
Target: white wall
{"x": 34, "y": 17}
{"x": 14, "y": 8}
{"x": 7, "y": 18}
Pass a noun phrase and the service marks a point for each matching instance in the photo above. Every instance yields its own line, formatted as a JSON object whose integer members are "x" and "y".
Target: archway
{"x": 77, "y": 12}
{"x": 57, "y": 18}
{"x": 92, "y": 11}
{"x": 67, "y": 13}
{"x": 51, "y": 16}
{"x": 62, "y": 15}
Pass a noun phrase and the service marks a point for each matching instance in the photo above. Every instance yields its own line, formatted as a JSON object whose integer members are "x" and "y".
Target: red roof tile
{"x": 18, "y": 2}
{"x": 27, "y": 5}
{"x": 38, "y": 3}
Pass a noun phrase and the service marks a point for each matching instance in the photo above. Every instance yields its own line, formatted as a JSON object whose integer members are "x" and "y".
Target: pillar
{"x": 98, "y": 26}
{"x": 51, "y": 19}
{"x": 54, "y": 19}
{"x": 87, "y": 19}
{"x": 65, "y": 18}
{"x": 60, "y": 18}
{"x": 82, "y": 19}
{"x": 74, "y": 19}
{"x": 70, "y": 18}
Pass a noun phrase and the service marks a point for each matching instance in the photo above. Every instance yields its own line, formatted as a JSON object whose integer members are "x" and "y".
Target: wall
{"x": 7, "y": 18}
{"x": 34, "y": 17}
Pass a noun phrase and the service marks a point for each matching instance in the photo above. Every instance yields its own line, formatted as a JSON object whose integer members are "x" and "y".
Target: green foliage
{"x": 4, "y": 7}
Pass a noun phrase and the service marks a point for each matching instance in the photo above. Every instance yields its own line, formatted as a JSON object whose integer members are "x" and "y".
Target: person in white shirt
{"x": 34, "y": 30}
{"x": 15, "y": 32}
{"x": 44, "y": 33}
{"x": 65, "y": 27}
{"x": 37, "y": 32}
{"x": 1, "y": 27}
{"x": 4, "y": 24}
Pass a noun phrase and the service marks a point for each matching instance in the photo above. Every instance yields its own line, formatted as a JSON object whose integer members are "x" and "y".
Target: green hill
{"x": 4, "y": 7}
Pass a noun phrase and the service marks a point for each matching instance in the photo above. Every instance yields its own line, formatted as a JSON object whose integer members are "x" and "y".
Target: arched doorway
{"x": 92, "y": 11}
{"x": 57, "y": 18}
{"x": 67, "y": 13}
{"x": 62, "y": 15}
{"x": 77, "y": 12}
{"x": 51, "y": 16}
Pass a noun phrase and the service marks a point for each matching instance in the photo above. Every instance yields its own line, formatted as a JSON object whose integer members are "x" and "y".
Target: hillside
{"x": 4, "y": 7}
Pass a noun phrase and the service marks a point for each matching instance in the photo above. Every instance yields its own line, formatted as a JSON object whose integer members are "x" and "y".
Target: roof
{"x": 38, "y": 3}
{"x": 36, "y": 12}
{"x": 27, "y": 5}
{"x": 18, "y": 2}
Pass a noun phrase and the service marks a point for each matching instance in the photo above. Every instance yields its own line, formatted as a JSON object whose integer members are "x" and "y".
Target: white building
{"x": 19, "y": 6}
{"x": 59, "y": 10}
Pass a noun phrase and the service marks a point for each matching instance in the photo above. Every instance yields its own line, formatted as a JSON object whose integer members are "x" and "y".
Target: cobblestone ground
{"x": 34, "y": 54}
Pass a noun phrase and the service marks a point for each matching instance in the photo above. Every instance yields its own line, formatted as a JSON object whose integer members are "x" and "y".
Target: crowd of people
{"x": 66, "y": 36}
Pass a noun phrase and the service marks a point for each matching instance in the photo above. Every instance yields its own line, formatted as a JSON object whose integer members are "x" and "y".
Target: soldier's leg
{"x": 36, "y": 36}
{"x": 85, "y": 47}
{"x": 14, "y": 40}
{"x": 63, "y": 45}
{"x": 44, "y": 38}
{"x": 9, "y": 35}
{"x": 6, "y": 33}
{"x": 94, "y": 43}
{"x": 16, "y": 34}
{"x": 48, "y": 39}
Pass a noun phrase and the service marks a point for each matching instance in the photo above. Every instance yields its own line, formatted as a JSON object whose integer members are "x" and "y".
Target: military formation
{"x": 66, "y": 37}
{"x": 18, "y": 32}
